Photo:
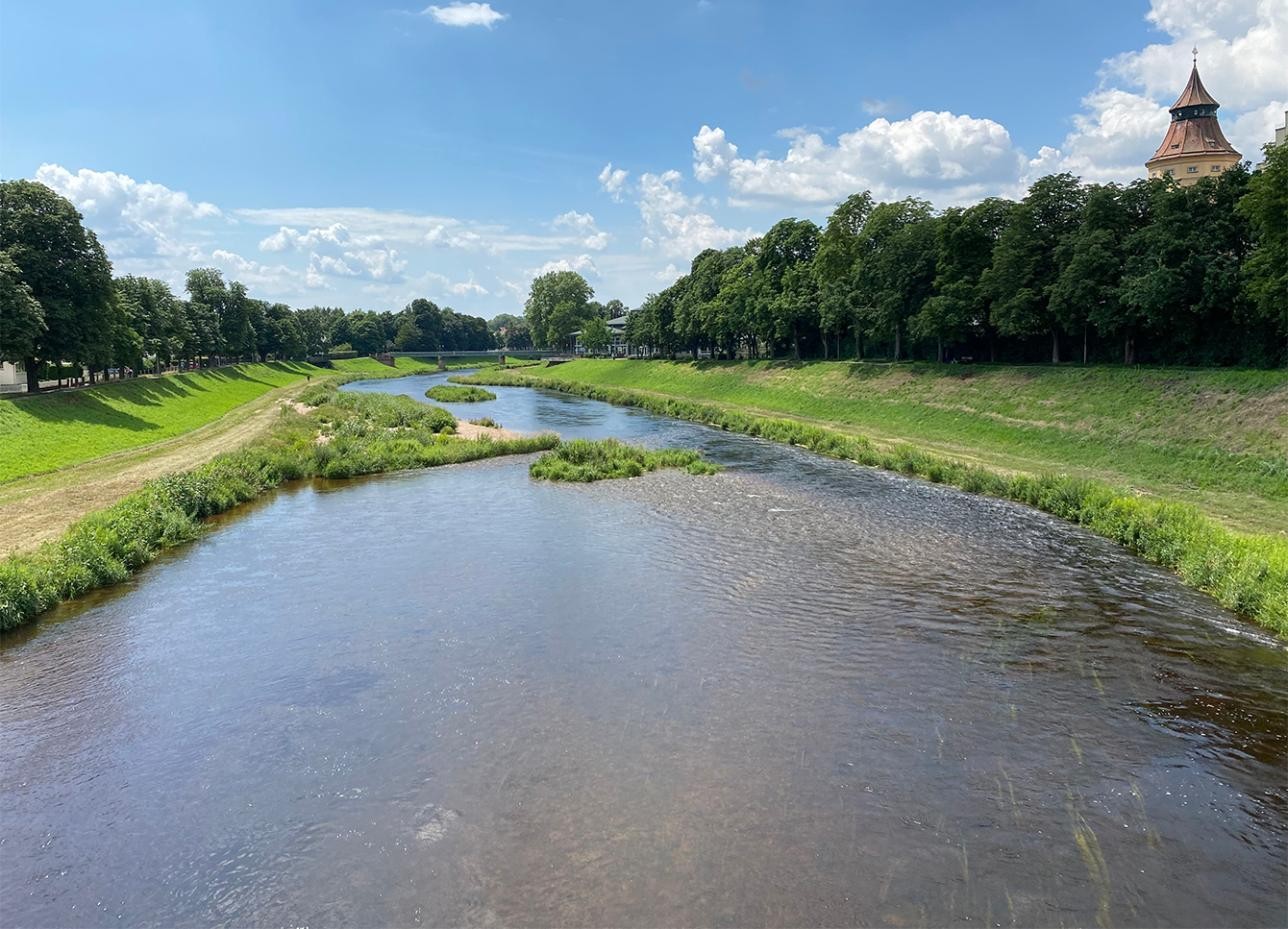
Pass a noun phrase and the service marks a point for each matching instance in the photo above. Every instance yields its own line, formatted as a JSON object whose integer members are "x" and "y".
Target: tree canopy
{"x": 1147, "y": 271}
{"x": 558, "y": 304}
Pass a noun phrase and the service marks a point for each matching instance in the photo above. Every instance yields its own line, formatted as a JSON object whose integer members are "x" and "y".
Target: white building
{"x": 13, "y": 377}
{"x": 617, "y": 347}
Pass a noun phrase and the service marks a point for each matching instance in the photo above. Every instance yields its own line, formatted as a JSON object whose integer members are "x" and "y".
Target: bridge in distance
{"x": 489, "y": 354}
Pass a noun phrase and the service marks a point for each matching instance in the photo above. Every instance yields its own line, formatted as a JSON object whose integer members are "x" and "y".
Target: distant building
{"x": 1281, "y": 136}
{"x": 617, "y": 347}
{"x": 12, "y": 377}
{"x": 1194, "y": 146}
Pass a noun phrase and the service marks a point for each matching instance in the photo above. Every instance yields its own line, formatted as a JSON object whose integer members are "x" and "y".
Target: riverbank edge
{"x": 109, "y": 545}
{"x": 41, "y": 507}
{"x": 1246, "y": 573}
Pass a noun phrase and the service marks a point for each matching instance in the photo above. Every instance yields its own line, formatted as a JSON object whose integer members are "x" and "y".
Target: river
{"x": 798, "y": 692}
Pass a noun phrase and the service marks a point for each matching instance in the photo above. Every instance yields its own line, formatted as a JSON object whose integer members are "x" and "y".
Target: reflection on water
{"x": 796, "y": 693}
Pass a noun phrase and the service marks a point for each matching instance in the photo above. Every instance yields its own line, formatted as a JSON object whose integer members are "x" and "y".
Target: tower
{"x": 1194, "y": 146}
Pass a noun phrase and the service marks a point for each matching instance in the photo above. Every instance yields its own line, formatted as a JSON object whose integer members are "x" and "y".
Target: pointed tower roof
{"x": 1194, "y": 130}
{"x": 1194, "y": 94}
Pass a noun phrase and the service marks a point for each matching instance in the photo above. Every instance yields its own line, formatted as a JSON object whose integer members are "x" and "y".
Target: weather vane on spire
{"x": 1195, "y": 52}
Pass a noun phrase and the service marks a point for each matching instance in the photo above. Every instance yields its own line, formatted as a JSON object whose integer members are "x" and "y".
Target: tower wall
{"x": 1203, "y": 165}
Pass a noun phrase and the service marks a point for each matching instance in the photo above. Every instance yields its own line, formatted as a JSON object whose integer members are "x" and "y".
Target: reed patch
{"x": 585, "y": 460}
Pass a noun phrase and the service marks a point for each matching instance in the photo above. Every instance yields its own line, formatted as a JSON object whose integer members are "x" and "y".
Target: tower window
{"x": 1216, "y": 167}
{"x": 1192, "y": 169}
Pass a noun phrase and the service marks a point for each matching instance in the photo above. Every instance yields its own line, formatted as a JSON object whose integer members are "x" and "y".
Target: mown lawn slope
{"x": 49, "y": 431}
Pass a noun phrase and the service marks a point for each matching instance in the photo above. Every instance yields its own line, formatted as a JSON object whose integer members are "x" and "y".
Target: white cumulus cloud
{"x": 582, "y": 225}
{"x": 466, "y": 14}
{"x": 466, "y": 288}
{"x": 132, "y": 218}
{"x": 612, "y": 180}
{"x": 950, "y": 157}
{"x": 582, "y": 264}
{"x": 713, "y": 154}
{"x": 677, "y": 223}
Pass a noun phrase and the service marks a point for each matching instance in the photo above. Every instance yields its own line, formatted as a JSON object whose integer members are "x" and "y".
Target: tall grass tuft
{"x": 585, "y": 460}
{"x": 453, "y": 393}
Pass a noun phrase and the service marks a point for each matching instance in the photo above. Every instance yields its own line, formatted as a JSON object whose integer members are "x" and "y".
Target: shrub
{"x": 455, "y": 393}
{"x": 584, "y": 460}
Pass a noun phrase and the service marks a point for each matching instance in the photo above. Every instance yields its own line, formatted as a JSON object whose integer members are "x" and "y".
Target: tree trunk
{"x": 1055, "y": 346}
{"x": 796, "y": 342}
{"x": 940, "y": 349}
{"x": 1084, "y": 343}
{"x": 824, "y": 340}
{"x": 1129, "y": 349}
{"x": 838, "y": 345}
{"x": 858, "y": 344}
{"x": 33, "y": 375}
{"x": 992, "y": 347}
{"x": 898, "y": 343}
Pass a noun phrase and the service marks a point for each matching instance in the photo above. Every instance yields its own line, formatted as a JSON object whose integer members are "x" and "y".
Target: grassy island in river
{"x": 456, "y": 393}
{"x": 586, "y": 460}
{"x": 1187, "y": 468}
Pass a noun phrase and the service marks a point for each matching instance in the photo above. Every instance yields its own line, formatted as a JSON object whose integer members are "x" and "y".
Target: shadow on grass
{"x": 83, "y": 407}
{"x": 89, "y": 406}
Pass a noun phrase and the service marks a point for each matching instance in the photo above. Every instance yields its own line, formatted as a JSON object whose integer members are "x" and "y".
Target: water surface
{"x": 795, "y": 693}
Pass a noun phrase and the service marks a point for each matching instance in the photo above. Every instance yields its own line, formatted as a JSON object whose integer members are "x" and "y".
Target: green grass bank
{"x": 1246, "y": 571}
{"x": 45, "y": 432}
{"x": 343, "y": 435}
{"x": 1215, "y": 438}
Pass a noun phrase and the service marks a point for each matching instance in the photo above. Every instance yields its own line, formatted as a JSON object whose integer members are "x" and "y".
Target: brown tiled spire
{"x": 1194, "y": 94}
{"x": 1194, "y": 130}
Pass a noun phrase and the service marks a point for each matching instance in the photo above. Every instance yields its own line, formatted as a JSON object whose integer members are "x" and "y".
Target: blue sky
{"x": 362, "y": 154}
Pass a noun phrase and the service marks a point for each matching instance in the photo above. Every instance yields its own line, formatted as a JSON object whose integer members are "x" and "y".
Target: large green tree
{"x": 595, "y": 336}
{"x": 557, "y": 305}
{"x": 836, "y": 269}
{"x": 316, "y": 324}
{"x": 207, "y": 296}
{"x": 1265, "y": 272}
{"x": 897, "y": 267}
{"x": 1025, "y": 263}
{"x": 734, "y": 306}
{"x": 960, "y": 307}
{"x": 65, "y": 270}
{"x": 22, "y": 321}
{"x": 786, "y": 304}
{"x": 1092, "y": 260}
{"x": 160, "y": 318}
{"x": 1182, "y": 280}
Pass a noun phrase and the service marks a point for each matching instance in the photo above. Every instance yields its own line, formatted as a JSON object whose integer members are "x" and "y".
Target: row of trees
{"x": 60, "y": 303}
{"x": 1148, "y": 271}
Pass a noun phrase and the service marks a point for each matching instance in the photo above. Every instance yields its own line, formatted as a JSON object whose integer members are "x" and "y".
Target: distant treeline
{"x": 1149, "y": 272}
{"x": 60, "y": 303}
